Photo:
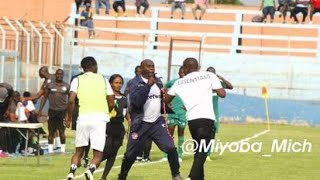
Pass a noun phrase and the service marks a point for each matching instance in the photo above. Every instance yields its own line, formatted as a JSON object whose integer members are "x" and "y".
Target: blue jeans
{"x": 100, "y": 3}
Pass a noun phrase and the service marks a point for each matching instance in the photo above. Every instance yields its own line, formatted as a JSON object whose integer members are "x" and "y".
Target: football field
{"x": 284, "y": 152}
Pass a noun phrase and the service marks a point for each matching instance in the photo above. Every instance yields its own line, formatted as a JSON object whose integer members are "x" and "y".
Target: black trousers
{"x": 145, "y": 153}
{"x": 200, "y": 129}
{"x": 297, "y": 10}
{"x": 158, "y": 132}
{"x": 114, "y": 139}
{"x": 117, "y": 4}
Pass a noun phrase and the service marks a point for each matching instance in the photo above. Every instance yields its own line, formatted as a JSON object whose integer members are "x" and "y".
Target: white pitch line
{"x": 253, "y": 136}
{"x": 117, "y": 167}
{"x": 159, "y": 161}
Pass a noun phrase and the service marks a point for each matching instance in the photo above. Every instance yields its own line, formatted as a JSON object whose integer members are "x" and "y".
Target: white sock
{"x": 57, "y": 142}
{"x": 63, "y": 148}
{"x": 50, "y": 148}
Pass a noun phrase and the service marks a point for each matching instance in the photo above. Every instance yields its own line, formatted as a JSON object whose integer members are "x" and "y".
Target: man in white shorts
{"x": 96, "y": 99}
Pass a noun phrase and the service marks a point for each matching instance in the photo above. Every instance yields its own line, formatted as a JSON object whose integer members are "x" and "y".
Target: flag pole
{"x": 264, "y": 94}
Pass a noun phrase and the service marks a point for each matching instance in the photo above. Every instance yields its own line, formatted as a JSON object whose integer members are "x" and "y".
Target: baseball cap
{"x": 3, "y": 94}
{"x": 88, "y": 4}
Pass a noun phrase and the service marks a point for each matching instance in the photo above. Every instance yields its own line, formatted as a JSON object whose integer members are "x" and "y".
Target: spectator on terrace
{"x": 268, "y": 8}
{"x": 178, "y": 4}
{"x": 302, "y": 6}
{"x": 144, "y": 4}
{"x": 86, "y": 20}
{"x": 119, "y": 5}
{"x": 199, "y": 5}
{"x": 315, "y": 8}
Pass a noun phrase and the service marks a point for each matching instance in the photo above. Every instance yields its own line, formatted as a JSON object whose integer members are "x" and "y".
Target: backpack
{"x": 257, "y": 19}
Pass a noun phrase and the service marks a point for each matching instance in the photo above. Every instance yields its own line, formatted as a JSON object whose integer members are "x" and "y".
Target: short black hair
{"x": 111, "y": 79}
{"x": 88, "y": 62}
{"x": 26, "y": 94}
{"x": 136, "y": 68}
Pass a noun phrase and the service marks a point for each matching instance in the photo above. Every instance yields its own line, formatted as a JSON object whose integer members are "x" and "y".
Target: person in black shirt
{"x": 115, "y": 129}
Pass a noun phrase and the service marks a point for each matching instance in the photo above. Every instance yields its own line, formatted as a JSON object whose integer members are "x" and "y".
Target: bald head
{"x": 190, "y": 65}
{"x": 211, "y": 69}
{"x": 43, "y": 72}
{"x": 147, "y": 68}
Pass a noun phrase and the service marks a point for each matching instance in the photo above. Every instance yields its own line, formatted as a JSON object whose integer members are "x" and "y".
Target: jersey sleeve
{"x": 109, "y": 90}
{"x": 173, "y": 90}
{"x": 216, "y": 84}
{"x": 168, "y": 85}
{"x": 74, "y": 85}
{"x": 30, "y": 106}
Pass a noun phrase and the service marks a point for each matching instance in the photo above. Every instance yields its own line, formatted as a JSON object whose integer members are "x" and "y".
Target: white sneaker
{"x": 70, "y": 176}
{"x": 310, "y": 22}
{"x": 88, "y": 175}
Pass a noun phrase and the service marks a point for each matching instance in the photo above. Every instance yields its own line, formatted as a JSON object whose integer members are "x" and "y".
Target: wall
{"x": 44, "y": 10}
{"x": 286, "y": 78}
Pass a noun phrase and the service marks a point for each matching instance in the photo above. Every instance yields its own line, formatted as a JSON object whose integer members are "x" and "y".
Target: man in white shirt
{"x": 147, "y": 121}
{"x": 195, "y": 90}
{"x": 96, "y": 99}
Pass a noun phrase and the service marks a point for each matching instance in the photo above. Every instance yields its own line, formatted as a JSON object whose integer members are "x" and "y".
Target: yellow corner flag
{"x": 264, "y": 91}
{"x": 264, "y": 94}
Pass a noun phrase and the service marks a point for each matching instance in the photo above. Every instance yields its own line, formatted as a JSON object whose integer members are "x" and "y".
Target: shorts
{"x": 93, "y": 130}
{"x": 55, "y": 121}
{"x": 268, "y": 10}
{"x": 177, "y": 120}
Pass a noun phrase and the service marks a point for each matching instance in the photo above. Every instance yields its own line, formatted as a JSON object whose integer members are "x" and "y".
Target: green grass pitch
{"x": 230, "y": 165}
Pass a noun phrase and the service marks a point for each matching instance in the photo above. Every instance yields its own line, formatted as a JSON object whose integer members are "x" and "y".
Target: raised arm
{"x": 43, "y": 101}
{"x": 228, "y": 85}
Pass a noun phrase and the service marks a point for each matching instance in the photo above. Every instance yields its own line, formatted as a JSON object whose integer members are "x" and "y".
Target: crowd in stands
{"x": 295, "y": 7}
{"x": 268, "y": 8}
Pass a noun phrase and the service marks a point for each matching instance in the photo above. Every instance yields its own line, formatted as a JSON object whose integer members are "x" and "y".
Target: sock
{"x": 57, "y": 142}
{"x": 180, "y": 142}
{"x": 63, "y": 148}
{"x": 73, "y": 168}
{"x": 50, "y": 148}
{"x": 92, "y": 168}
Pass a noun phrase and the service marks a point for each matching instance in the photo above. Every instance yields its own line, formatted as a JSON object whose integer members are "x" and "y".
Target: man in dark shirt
{"x": 6, "y": 92}
{"x": 57, "y": 93}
